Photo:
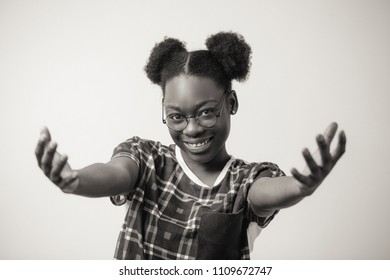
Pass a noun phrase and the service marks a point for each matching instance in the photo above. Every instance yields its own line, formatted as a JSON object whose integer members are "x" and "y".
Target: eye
{"x": 205, "y": 113}
{"x": 176, "y": 117}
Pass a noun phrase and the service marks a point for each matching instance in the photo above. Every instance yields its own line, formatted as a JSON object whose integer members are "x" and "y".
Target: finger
{"x": 45, "y": 131}
{"x": 301, "y": 178}
{"x": 340, "y": 149}
{"x": 47, "y": 158}
{"x": 40, "y": 148}
{"x": 325, "y": 154}
{"x": 330, "y": 132}
{"x": 57, "y": 168}
{"x": 315, "y": 170}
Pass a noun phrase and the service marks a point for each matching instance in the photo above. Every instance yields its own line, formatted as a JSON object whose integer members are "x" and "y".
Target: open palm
{"x": 322, "y": 161}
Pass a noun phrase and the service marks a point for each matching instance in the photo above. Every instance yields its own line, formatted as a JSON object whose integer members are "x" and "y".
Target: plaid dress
{"x": 172, "y": 214}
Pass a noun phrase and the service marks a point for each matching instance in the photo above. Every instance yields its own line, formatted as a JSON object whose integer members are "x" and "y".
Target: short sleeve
{"x": 131, "y": 149}
{"x": 263, "y": 169}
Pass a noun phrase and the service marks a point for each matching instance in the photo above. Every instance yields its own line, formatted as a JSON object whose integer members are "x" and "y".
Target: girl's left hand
{"x": 323, "y": 160}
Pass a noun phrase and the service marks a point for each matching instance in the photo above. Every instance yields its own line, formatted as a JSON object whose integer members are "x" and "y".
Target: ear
{"x": 233, "y": 102}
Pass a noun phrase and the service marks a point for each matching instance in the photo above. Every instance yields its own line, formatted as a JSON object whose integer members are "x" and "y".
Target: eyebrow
{"x": 197, "y": 106}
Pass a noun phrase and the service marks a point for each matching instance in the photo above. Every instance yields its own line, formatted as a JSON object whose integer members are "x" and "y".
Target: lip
{"x": 200, "y": 149}
{"x": 197, "y": 141}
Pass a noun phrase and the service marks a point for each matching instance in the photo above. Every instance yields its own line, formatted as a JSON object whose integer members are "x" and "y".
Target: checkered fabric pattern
{"x": 166, "y": 207}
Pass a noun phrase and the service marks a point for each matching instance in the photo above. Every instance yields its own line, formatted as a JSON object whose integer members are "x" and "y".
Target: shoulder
{"x": 138, "y": 148}
{"x": 143, "y": 144}
{"x": 256, "y": 169}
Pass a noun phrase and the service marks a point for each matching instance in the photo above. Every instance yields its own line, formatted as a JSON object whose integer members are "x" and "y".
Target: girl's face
{"x": 188, "y": 96}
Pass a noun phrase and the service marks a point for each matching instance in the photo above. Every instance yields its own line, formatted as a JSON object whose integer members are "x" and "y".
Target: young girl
{"x": 192, "y": 199}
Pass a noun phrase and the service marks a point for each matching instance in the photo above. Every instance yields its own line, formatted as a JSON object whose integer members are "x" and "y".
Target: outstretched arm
{"x": 269, "y": 194}
{"x": 116, "y": 177}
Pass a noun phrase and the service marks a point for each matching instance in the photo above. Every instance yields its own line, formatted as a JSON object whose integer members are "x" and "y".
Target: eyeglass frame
{"x": 196, "y": 117}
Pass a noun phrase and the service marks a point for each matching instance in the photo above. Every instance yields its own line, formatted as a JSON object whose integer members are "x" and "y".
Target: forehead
{"x": 186, "y": 89}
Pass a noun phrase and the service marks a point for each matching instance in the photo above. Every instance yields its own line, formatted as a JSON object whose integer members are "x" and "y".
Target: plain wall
{"x": 77, "y": 67}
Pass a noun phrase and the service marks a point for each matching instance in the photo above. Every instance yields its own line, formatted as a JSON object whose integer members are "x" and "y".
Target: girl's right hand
{"x": 55, "y": 165}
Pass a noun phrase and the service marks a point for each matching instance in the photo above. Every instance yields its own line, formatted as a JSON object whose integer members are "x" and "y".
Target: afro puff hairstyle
{"x": 227, "y": 58}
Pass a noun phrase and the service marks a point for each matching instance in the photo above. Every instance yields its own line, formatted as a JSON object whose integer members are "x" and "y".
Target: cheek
{"x": 223, "y": 128}
{"x": 175, "y": 136}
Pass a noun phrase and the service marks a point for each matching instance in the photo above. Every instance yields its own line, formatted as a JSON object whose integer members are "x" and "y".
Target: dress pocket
{"x": 220, "y": 236}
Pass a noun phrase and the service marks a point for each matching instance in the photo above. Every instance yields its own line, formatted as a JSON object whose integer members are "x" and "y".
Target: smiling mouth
{"x": 198, "y": 145}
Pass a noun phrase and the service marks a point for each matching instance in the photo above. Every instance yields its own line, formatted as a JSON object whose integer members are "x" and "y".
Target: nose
{"x": 192, "y": 128}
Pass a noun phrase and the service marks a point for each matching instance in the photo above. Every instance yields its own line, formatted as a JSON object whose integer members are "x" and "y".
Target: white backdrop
{"x": 77, "y": 67}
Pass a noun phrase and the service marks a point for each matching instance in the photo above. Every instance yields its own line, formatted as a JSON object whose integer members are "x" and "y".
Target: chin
{"x": 200, "y": 158}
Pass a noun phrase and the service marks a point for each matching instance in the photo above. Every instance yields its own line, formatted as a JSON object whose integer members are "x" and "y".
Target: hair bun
{"x": 160, "y": 54}
{"x": 231, "y": 50}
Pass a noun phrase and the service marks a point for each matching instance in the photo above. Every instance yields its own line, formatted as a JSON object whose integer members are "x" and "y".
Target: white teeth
{"x": 198, "y": 145}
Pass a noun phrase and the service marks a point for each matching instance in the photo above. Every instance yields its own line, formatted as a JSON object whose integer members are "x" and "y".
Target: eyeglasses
{"x": 206, "y": 118}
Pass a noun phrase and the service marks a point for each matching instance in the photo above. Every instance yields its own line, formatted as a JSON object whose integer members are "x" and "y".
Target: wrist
{"x": 302, "y": 189}
{"x": 71, "y": 183}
